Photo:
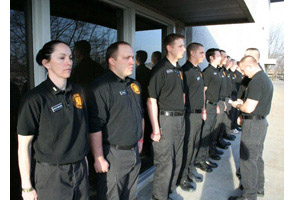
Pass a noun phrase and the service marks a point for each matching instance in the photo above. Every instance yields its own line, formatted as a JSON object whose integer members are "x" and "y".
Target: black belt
{"x": 257, "y": 117}
{"x": 171, "y": 113}
{"x": 211, "y": 102}
{"x": 194, "y": 111}
{"x": 222, "y": 99}
{"x": 120, "y": 147}
{"x": 43, "y": 163}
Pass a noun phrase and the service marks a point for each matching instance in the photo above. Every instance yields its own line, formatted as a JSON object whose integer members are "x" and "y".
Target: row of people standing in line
{"x": 115, "y": 118}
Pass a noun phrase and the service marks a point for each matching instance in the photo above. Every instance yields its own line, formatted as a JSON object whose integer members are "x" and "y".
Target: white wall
{"x": 236, "y": 38}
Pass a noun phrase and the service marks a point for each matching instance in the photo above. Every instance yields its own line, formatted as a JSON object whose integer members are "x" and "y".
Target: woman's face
{"x": 60, "y": 63}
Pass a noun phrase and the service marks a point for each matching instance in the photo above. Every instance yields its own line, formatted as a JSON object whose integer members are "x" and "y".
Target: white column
{"x": 129, "y": 30}
{"x": 41, "y": 34}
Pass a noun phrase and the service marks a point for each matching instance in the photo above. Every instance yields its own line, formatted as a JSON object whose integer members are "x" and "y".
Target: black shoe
{"x": 215, "y": 157}
{"x": 229, "y": 137}
{"x": 225, "y": 142}
{"x": 196, "y": 179}
{"x": 204, "y": 167}
{"x": 222, "y": 145}
{"x": 186, "y": 186}
{"x": 211, "y": 164}
{"x": 237, "y": 198}
{"x": 216, "y": 151}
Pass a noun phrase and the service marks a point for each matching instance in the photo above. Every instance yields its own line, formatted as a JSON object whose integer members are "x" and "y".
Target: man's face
{"x": 123, "y": 63}
{"x": 223, "y": 58}
{"x": 245, "y": 69}
{"x": 177, "y": 49}
{"x": 215, "y": 60}
{"x": 200, "y": 54}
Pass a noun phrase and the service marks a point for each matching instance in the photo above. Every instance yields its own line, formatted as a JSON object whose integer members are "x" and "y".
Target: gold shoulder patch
{"x": 181, "y": 76}
{"x": 135, "y": 88}
{"x": 224, "y": 73}
{"x": 77, "y": 101}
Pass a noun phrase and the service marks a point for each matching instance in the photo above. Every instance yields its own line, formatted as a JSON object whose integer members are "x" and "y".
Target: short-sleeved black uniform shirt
{"x": 223, "y": 88}
{"x": 260, "y": 88}
{"x": 166, "y": 85}
{"x": 115, "y": 109}
{"x": 234, "y": 81}
{"x": 228, "y": 82}
{"x": 212, "y": 81}
{"x": 58, "y": 120}
{"x": 193, "y": 86}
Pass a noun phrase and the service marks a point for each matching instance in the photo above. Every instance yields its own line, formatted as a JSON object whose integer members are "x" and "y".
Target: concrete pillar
{"x": 41, "y": 34}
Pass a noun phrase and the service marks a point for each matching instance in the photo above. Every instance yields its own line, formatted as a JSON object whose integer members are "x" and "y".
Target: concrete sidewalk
{"x": 222, "y": 182}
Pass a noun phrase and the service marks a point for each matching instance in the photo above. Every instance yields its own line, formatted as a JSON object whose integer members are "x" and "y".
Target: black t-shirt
{"x": 212, "y": 80}
{"x": 143, "y": 75}
{"x": 86, "y": 72}
{"x": 228, "y": 82}
{"x": 166, "y": 85}
{"x": 193, "y": 86}
{"x": 223, "y": 88}
{"x": 58, "y": 120}
{"x": 260, "y": 88}
{"x": 115, "y": 109}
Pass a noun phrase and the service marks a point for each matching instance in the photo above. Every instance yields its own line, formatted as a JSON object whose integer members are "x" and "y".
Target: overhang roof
{"x": 201, "y": 12}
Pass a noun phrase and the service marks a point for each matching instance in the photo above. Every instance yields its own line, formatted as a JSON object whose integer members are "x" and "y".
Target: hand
{"x": 236, "y": 103}
{"x": 156, "y": 136}
{"x": 239, "y": 121}
{"x": 30, "y": 195}
{"x": 225, "y": 107}
{"x": 140, "y": 145}
{"x": 101, "y": 165}
{"x": 217, "y": 109}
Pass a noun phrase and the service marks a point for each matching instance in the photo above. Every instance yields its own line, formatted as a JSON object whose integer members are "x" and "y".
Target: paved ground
{"x": 222, "y": 182}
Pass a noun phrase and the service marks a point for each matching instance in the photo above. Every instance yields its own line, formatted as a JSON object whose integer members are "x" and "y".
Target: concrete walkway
{"x": 222, "y": 182}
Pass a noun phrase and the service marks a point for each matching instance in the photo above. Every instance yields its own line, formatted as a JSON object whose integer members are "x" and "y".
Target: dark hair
{"x": 156, "y": 56}
{"x": 113, "y": 49}
{"x": 193, "y": 47}
{"x": 210, "y": 52}
{"x": 222, "y": 51}
{"x": 141, "y": 56}
{"x": 169, "y": 39}
{"x": 47, "y": 50}
{"x": 83, "y": 46}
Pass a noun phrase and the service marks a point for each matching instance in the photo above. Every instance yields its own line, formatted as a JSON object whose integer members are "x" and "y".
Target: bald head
{"x": 253, "y": 52}
{"x": 249, "y": 66}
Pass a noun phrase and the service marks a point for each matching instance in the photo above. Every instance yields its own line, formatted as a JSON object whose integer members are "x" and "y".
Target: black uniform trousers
{"x": 193, "y": 127}
{"x": 120, "y": 182}
{"x": 218, "y": 127}
{"x": 62, "y": 182}
{"x": 251, "y": 162}
{"x": 234, "y": 113}
{"x": 168, "y": 155}
{"x": 207, "y": 133}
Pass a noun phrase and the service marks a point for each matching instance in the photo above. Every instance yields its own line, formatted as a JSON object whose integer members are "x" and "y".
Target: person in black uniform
{"x": 143, "y": 75}
{"x": 116, "y": 125}
{"x": 86, "y": 70}
{"x": 212, "y": 86}
{"x": 166, "y": 112}
{"x": 53, "y": 119}
{"x": 156, "y": 57}
{"x": 254, "y": 110}
{"x": 194, "y": 93}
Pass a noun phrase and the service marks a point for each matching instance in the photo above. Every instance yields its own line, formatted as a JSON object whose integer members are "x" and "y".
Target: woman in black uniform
{"x": 53, "y": 120}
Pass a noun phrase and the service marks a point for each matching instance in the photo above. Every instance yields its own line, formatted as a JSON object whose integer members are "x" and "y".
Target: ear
{"x": 112, "y": 61}
{"x": 46, "y": 64}
{"x": 169, "y": 47}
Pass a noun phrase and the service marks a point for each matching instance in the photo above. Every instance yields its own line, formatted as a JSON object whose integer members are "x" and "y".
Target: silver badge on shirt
{"x": 57, "y": 107}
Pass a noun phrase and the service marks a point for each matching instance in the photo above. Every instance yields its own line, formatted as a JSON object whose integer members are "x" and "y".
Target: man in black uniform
{"x": 53, "y": 120}
{"x": 212, "y": 85}
{"x": 194, "y": 93}
{"x": 116, "y": 125}
{"x": 86, "y": 70}
{"x": 254, "y": 110}
{"x": 166, "y": 112}
{"x": 143, "y": 75}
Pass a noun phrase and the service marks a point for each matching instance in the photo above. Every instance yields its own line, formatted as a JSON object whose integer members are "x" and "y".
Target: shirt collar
{"x": 55, "y": 90}
{"x": 117, "y": 78}
{"x": 193, "y": 66}
{"x": 170, "y": 64}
